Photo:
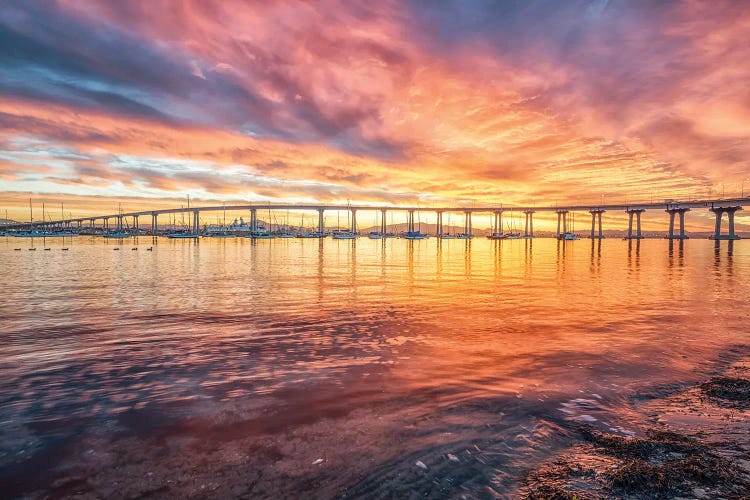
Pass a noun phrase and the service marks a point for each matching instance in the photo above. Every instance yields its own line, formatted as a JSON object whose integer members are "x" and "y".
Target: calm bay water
{"x": 228, "y": 368}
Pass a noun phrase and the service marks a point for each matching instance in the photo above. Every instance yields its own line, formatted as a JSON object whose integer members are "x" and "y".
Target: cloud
{"x": 455, "y": 99}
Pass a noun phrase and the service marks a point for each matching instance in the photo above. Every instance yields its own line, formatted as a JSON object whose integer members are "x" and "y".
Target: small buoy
{"x": 420, "y": 464}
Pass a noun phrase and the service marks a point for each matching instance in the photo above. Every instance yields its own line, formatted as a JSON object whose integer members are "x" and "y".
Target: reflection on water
{"x": 232, "y": 367}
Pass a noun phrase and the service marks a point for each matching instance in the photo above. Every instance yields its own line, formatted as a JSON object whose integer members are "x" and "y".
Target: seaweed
{"x": 728, "y": 391}
{"x": 663, "y": 464}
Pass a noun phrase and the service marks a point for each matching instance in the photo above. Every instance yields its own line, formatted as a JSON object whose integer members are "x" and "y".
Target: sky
{"x": 454, "y": 101}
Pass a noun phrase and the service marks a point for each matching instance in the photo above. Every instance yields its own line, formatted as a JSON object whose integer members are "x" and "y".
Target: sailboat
{"x": 38, "y": 233}
{"x": 418, "y": 234}
{"x": 512, "y": 233}
{"x": 569, "y": 235}
{"x": 260, "y": 232}
{"x": 221, "y": 233}
{"x": 285, "y": 233}
{"x": 390, "y": 234}
{"x": 31, "y": 232}
{"x": 305, "y": 232}
{"x": 375, "y": 235}
{"x": 117, "y": 233}
{"x": 184, "y": 233}
{"x": 348, "y": 234}
{"x": 448, "y": 235}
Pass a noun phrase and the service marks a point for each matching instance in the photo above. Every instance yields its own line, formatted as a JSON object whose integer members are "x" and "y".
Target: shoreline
{"x": 696, "y": 444}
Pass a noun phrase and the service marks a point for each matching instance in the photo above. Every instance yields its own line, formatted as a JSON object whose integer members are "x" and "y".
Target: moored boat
{"x": 181, "y": 235}
{"x": 567, "y": 236}
{"x": 416, "y": 235}
{"x": 259, "y": 235}
{"x": 344, "y": 235}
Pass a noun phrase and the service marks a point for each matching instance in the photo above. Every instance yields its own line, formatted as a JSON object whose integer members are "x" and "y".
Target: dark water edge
{"x": 696, "y": 445}
{"x": 691, "y": 440}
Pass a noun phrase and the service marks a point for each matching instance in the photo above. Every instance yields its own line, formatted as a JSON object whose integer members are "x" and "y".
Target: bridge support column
{"x": 529, "y": 224}
{"x": 354, "y": 221}
{"x": 439, "y": 226}
{"x": 135, "y": 223}
{"x": 730, "y": 211}
{"x": 105, "y": 223}
{"x": 637, "y": 212}
{"x": 497, "y": 227}
{"x": 467, "y": 223}
{"x": 638, "y": 224}
{"x": 410, "y": 221}
{"x": 630, "y": 224}
{"x": 154, "y": 223}
{"x": 683, "y": 236}
{"x": 562, "y": 215}
{"x": 383, "y": 222}
{"x": 119, "y": 222}
{"x": 526, "y": 224}
{"x": 321, "y": 224}
{"x": 596, "y": 216}
{"x": 253, "y": 220}
{"x": 672, "y": 213}
{"x": 196, "y": 222}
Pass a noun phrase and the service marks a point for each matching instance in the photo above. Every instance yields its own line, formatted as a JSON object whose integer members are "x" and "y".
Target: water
{"x": 329, "y": 368}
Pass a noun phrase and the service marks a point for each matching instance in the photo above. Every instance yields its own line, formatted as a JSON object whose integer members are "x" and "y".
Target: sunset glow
{"x": 143, "y": 103}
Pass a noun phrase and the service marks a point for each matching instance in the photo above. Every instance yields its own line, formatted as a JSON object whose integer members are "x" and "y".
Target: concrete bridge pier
{"x": 439, "y": 227}
{"x": 410, "y": 221}
{"x": 354, "y": 221}
{"x": 562, "y": 216}
{"x": 497, "y": 225}
{"x": 730, "y": 211}
{"x": 596, "y": 215}
{"x": 196, "y": 222}
{"x": 467, "y": 223}
{"x": 383, "y": 223}
{"x": 637, "y": 212}
{"x": 672, "y": 212}
{"x": 253, "y": 220}
{"x": 105, "y": 223}
{"x": 321, "y": 223}
{"x": 119, "y": 222}
{"x": 135, "y": 223}
{"x": 529, "y": 228}
{"x": 154, "y": 223}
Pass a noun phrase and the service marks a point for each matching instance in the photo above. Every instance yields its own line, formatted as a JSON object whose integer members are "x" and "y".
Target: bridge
{"x": 675, "y": 209}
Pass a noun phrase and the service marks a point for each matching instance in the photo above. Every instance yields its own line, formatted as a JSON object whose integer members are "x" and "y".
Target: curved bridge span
{"x": 676, "y": 210}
